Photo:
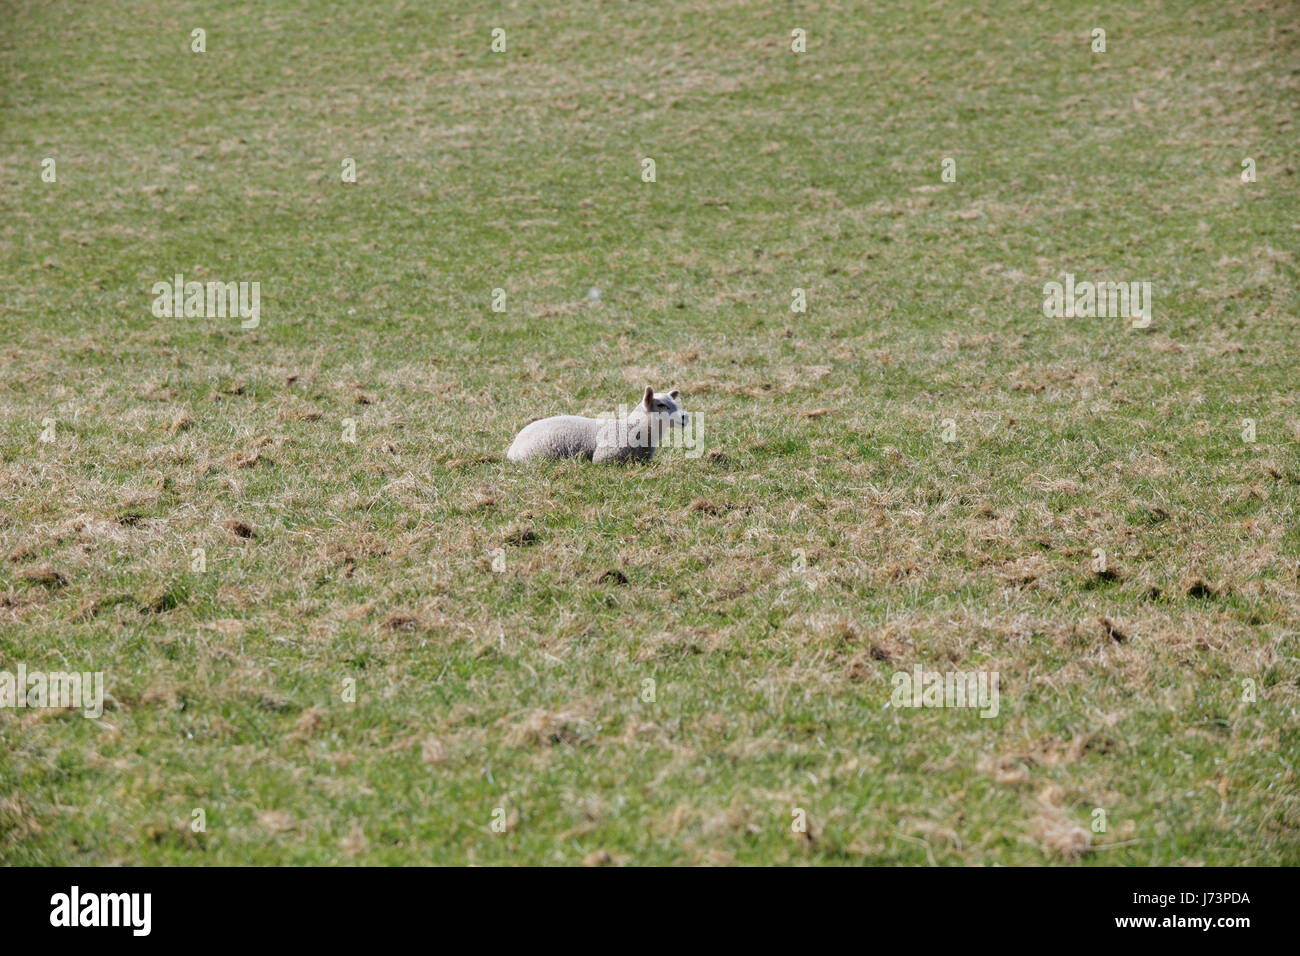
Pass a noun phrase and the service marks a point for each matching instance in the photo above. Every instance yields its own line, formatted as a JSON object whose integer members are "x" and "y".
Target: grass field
{"x": 916, "y": 470}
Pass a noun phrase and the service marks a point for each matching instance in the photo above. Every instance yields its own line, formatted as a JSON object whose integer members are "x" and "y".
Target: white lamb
{"x": 634, "y": 438}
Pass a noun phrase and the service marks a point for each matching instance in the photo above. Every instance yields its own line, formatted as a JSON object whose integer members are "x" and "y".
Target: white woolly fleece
{"x": 634, "y": 438}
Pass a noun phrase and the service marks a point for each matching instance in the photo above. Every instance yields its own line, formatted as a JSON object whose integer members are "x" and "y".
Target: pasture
{"x": 335, "y": 625}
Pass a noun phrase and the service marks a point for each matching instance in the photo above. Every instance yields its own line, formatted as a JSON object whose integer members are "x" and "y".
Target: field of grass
{"x": 499, "y": 623}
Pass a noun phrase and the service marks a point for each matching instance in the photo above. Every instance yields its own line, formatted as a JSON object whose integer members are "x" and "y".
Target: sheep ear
{"x": 649, "y": 398}
{"x": 673, "y": 394}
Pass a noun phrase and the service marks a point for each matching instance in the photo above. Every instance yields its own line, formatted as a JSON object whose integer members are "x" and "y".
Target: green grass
{"x": 521, "y": 690}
